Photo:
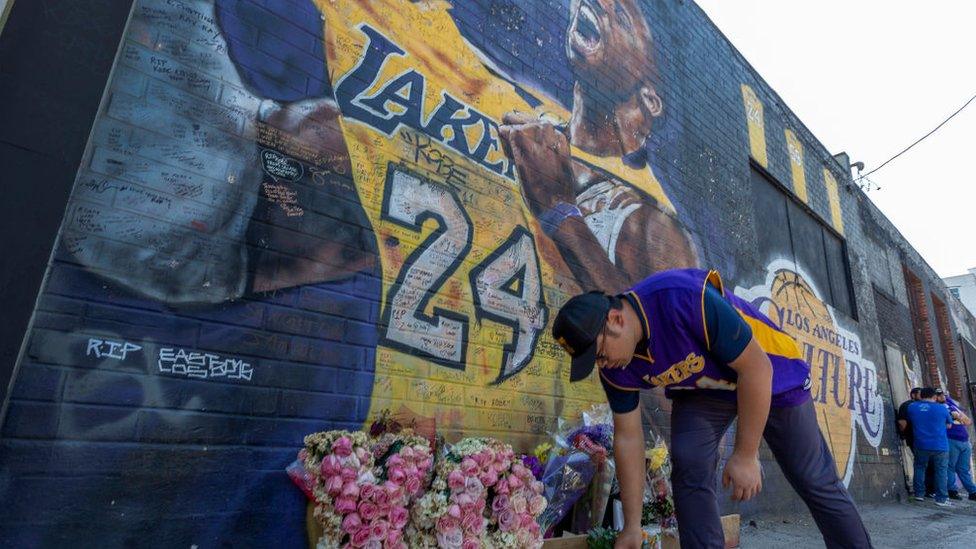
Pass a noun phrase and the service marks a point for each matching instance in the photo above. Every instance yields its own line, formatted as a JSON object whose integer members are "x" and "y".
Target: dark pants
{"x": 939, "y": 460}
{"x": 697, "y": 426}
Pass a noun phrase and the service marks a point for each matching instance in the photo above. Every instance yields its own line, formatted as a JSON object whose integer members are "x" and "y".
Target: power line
{"x": 943, "y": 123}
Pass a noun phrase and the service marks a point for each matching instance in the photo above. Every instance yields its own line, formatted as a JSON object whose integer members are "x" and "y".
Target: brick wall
{"x": 293, "y": 215}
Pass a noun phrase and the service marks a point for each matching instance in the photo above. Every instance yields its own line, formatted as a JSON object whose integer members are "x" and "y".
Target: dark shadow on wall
{"x": 55, "y": 57}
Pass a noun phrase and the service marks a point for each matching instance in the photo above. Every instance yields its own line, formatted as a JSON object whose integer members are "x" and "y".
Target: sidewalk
{"x": 892, "y": 525}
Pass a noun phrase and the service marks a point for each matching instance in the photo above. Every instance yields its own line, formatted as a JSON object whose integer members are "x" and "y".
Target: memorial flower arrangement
{"x": 658, "y": 500}
{"x": 363, "y": 488}
{"x": 482, "y": 496}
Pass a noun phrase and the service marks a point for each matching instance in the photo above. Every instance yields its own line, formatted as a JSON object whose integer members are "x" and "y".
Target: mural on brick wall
{"x": 294, "y": 214}
{"x": 416, "y": 162}
{"x": 844, "y": 384}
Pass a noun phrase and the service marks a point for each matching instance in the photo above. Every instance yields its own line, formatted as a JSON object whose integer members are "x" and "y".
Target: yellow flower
{"x": 542, "y": 451}
{"x": 656, "y": 457}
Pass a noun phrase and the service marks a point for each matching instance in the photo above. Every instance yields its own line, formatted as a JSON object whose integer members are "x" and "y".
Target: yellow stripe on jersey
{"x": 772, "y": 341}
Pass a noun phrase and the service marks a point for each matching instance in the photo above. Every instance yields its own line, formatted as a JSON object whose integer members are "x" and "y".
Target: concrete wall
{"x": 293, "y": 215}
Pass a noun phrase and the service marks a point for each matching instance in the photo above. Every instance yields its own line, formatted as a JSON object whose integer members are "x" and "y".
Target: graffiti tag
{"x": 202, "y": 365}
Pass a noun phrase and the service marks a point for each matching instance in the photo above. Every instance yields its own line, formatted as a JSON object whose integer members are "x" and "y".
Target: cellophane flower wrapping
{"x": 482, "y": 496}
{"x": 658, "y": 498}
{"x": 594, "y": 436}
{"x": 363, "y": 488}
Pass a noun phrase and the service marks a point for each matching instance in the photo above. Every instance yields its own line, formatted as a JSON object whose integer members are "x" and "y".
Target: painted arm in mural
{"x": 329, "y": 239}
{"x": 649, "y": 239}
{"x": 754, "y": 394}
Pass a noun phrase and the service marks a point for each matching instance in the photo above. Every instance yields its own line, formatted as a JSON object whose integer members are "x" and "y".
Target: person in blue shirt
{"x": 960, "y": 451}
{"x": 929, "y": 421}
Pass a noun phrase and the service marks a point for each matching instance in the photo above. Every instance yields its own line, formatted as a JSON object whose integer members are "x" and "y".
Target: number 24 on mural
{"x": 506, "y": 285}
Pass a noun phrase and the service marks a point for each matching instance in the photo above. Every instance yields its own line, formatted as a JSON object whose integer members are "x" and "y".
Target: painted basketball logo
{"x": 844, "y": 385}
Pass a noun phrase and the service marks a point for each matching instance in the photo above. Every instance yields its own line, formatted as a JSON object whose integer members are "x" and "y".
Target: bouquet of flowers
{"x": 658, "y": 501}
{"x": 482, "y": 496}
{"x": 595, "y": 438}
{"x": 578, "y": 460}
{"x": 363, "y": 488}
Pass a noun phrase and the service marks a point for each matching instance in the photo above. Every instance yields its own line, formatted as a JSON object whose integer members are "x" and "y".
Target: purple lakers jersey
{"x": 678, "y": 356}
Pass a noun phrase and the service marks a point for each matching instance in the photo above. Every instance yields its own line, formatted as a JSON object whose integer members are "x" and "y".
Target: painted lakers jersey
{"x": 470, "y": 282}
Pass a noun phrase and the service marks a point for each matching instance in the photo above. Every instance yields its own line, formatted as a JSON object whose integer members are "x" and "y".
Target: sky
{"x": 870, "y": 77}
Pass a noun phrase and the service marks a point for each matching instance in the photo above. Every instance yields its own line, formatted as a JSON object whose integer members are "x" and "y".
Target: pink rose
{"x": 396, "y": 474}
{"x": 367, "y": 490}
{"x": 519, "y": 505}
{"x": 426, "y": 464}
{"x": 413, "y": 486}
{"x": 471, "y": 544}
{"x": 537, "y": 487}
{"x": 480, "y": 458}
{"x": 455, "y": 480}
{"x": 407, "y": 453}
{"x": 362, "y": 455}
{"x": 506, "y": 520}
{"x": 393, "y": 538}
{"x": 395, "y": 461}
{"x": 380, "y": 497}
{"x": 350, "y": 490}
{"x": 333, "y": 485}
{"x": 469, "y": 466}
{"x": 454, "y": 511}
{"x": 330, "y": 466}
{"x": 473, "y": 487}
{"x": 378, "y": 530}
{"x": 537, "y": 505}
{"x": 492, "y": 478}
{"x": 447, "y": 523}
{"x": 465, "y": 501}
{"x": 471, "y": 523}
{"x": 502, "y": 488}
{"x": 514, "y": 483}
{"x": 524, "y": 538}
{"x": 349, "y": 473}
{"x": 360, "y": 538}
{"x": 450, "y": 539}
{"x": 368, "y": 511}
{"x": 520, "y": 470}
{"x": 393, "y": 490}
{"x": 345, "y": 505}
{"x": 500, "y": 503}
{"x": 352, "y": 523}
{"x": 525, "y": 520}
{"x": 399, "y": 516}
{"x": 342, "y": 446}
{"x": 479, "y": 505}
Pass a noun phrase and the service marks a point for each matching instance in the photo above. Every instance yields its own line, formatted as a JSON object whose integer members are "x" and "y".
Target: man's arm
{"x": 902, "y": 425}
{"x": 754, "y": 392}
{"x": 628, "y": 451}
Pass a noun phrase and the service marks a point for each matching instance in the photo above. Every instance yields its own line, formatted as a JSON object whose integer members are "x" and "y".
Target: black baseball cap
{"x": 576, "y": 328}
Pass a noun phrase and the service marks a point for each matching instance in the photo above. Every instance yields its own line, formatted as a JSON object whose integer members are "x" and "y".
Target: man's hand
{"x": 744, "y": 474}
{"x": 629, "y": 538}
{"x": 541, "y": 156}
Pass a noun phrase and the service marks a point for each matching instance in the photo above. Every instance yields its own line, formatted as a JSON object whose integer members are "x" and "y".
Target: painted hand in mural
{"x": 541, "y": 155}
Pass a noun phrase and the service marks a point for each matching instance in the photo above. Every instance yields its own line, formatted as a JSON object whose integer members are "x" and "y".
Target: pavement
{"x": 894, "y": 525}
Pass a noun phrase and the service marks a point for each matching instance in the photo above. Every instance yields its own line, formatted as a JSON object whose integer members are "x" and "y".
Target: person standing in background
{"x": 930, "y": 420}
{"x": 960, "y": 452}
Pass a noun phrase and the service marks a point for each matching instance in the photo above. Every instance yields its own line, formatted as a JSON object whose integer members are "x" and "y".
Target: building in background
{"x": 963, "y": 288}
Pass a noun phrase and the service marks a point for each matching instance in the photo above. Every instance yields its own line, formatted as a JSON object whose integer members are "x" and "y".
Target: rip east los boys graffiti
{"x": 844, "y": 383}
